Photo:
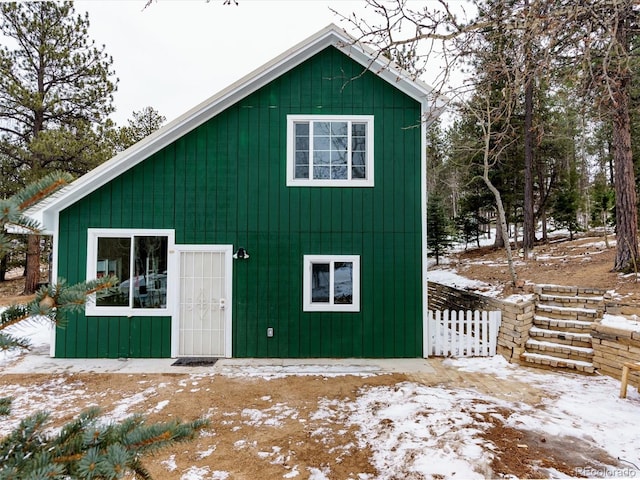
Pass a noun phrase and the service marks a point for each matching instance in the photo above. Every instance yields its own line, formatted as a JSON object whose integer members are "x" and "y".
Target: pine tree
{"x": 55, "y": 92}
{"x": 603, "y": 201}
{"x": 438, "y": 228}
{"x": 85, "y": 448}
{"x": 566, "y": 204}
{"x": 142, "y": 124}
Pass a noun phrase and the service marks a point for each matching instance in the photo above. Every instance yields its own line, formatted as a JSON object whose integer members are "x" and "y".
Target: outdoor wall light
{"x": 241, "y": 254}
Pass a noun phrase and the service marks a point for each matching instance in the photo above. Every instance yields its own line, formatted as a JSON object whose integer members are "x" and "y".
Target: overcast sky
{"x": 175, "y": 54}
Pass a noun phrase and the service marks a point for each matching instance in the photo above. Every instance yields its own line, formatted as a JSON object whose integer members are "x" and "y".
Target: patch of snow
{"x": 272, "y": 372}
{"x": 219, "y": 475}
{"x": 600, "y": 244}
{"x": 582, "y": 406}
{"x": 451, "y": 278}
{"x": 170, "y": 463}
{"x": 293, "y": 473}
{"x": 160, "y": 406}
{"x": 416, "y": 431}
{"x": 206, "y": 453}
{"x": 272, "y": 416}
{"x": 631, "y": 322}
{"x": 121, "y": 411}
{"x": 37, "y": 330}
{"x": 319, "y": 474}
{"x": 195, "y": 473}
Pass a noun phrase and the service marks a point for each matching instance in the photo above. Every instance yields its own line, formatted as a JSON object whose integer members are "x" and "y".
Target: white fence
{"x": 463, "y": 333}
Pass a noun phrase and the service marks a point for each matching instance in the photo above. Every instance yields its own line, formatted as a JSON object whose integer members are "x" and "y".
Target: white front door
{"x": 204, "y": 307}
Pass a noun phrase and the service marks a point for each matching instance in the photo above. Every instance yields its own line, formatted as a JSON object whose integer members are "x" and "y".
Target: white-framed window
{"x": 330, "y": 151}
{"x": 140, "y": 258}
{"x": 331, "y": 283}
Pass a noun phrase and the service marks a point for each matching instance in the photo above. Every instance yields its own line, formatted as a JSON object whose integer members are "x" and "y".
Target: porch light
{"x": 241, "y": 254}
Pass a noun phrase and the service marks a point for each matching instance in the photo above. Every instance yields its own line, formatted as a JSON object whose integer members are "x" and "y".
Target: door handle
{"x": 222, "y": 303}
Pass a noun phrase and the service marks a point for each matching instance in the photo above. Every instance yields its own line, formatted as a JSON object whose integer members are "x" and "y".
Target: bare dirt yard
{"x": 461, "y": 425}
{"x": 585, "y": 262}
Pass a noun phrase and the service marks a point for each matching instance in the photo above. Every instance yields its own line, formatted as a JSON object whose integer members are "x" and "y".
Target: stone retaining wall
{"x": 612, "y": 347}
{"x": 517, "y": 318}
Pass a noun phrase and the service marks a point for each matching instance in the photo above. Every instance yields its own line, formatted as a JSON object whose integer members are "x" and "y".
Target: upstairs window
{"x": 331, "y": 151}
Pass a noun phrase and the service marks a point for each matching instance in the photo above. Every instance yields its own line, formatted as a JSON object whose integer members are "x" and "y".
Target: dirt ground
{"x": 583, "y": 262}
{"x": 270, "y": 428}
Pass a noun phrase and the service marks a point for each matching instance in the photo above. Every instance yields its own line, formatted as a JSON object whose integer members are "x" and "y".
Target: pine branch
{"x": 85, "y": 448}
{"x": 5, "y": 406}
{"x": 9, "y": 342}
{"x": 13, "y": 315}
{"x": 55, "y": 303}
{"x": 59, "y": 300}
{"x": 40, "y": 189}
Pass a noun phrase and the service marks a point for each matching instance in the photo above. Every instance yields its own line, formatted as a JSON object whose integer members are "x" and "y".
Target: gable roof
{"x": 46, "y": 212}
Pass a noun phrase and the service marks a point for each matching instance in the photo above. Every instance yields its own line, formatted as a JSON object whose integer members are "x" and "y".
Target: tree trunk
{"x": 502, "y": 217}
{"x": 3, "y": 267}
{"x": 625, "y": 187}
{"x": 498, "y": 241}
{"x": 32, "y": 270}
{"x": 528, "y": 230}
{"x": 502, "y": 220}
{"x": 626, "y": 201}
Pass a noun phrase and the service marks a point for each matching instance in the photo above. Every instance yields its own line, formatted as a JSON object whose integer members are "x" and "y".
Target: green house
{"x": 282, "y": 217}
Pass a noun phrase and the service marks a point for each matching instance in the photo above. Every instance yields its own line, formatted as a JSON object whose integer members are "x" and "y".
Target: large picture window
{"x": 331, "y": 283}
{"x": 140, "y": 260}
{"x": 330, "y": 150}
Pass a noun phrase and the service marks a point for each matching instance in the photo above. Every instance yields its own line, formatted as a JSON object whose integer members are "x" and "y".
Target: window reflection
{"x": 343, "y": 283}
{"x": 150, "y": 280}
{"x": 143, "y": 281}
{"x": 320, "y": 280}
{"x": 114, "y": 256}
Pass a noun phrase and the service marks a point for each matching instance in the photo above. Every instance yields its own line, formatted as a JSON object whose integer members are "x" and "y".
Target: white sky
{"x": 175, "y": 54}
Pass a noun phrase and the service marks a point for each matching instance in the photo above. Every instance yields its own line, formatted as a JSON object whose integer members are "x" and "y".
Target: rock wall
{"x": 614, "y": 346}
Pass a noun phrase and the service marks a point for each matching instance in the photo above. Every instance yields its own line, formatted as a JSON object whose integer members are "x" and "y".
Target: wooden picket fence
{"x": 463, "y": 333}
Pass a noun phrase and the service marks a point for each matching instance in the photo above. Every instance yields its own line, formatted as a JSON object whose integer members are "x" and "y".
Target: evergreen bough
{"x": 86, "y": 448}
{"x": 54, "y": 302}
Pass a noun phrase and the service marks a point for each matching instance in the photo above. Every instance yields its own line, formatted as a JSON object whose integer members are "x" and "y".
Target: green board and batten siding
{"x": 225, "y": 183}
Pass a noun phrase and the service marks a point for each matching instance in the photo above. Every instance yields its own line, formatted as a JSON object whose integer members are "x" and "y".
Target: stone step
{"x": 563, "y": 325}
{"x": 574, "y": 339}
{"x": 569, "y": 291}
{"x": 568, "y": 313}
{"x": 595, "y": 302}
{"x": 548, "y": 361}
{"x": 559, "y": 350}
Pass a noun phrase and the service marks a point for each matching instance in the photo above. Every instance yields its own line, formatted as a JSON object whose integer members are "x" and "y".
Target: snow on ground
{"x": 37, "y": 330}
{"x": 451, "y": 278}
{"x": 419, "y": 431}
{"x": 580, "y": 406}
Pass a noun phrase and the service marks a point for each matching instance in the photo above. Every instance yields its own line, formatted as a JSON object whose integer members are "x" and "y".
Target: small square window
{"x": 330, "y": 151}
{"x": 331, "y": 283}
